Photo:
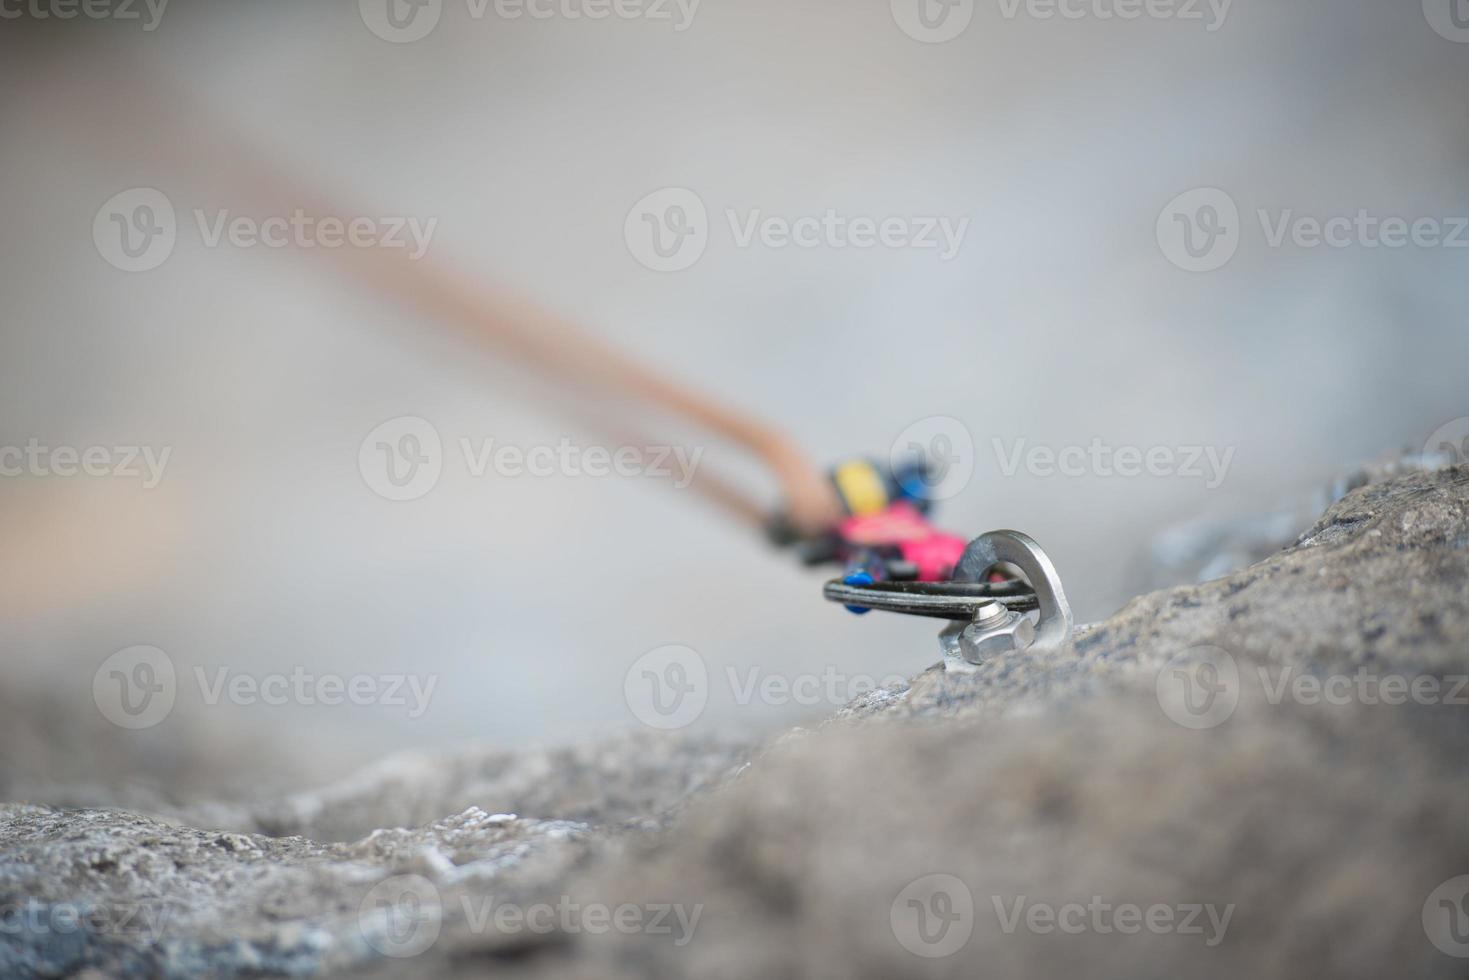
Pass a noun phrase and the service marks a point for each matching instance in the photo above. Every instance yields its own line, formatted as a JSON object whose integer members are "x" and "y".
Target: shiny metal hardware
{"x": 993, "y": 629}
{"x": 986, "y": 619}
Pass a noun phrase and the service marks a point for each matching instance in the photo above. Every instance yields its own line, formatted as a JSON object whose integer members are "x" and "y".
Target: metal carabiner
{"x": 986, "y": 618}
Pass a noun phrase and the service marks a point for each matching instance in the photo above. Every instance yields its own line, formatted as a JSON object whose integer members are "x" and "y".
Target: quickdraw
{"x": 896, "y": 561}
{"x": 875, "y": 523}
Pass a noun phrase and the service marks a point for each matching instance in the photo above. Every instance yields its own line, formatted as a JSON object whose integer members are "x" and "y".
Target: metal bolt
{"x": 990, "y": 613}
{"x": 1011, "y": 632}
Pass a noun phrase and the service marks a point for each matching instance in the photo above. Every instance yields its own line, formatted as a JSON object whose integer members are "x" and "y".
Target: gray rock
{"x": 1258, "y": 775}
{"x": 130, "y": 895}
{"x": 1207, "y": 548}
{"x": 638, "y": 777}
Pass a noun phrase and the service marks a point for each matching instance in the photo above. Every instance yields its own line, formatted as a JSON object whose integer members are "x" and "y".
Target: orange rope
{"x": 549, "y": 342}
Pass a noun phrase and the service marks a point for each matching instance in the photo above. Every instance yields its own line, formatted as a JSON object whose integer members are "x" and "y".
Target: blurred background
{"x": 529, "y": 141}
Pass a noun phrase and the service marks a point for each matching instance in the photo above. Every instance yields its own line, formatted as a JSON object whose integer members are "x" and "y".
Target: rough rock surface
{"x": 636, "y": 779}
{"x": 1305, "y": 816}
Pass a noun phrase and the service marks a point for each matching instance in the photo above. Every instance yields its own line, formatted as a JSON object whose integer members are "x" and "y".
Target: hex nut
{"x": 981, "y": 643}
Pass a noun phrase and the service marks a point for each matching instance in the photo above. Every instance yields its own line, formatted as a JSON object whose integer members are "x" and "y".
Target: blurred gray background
{"x": 1060, "y": 320}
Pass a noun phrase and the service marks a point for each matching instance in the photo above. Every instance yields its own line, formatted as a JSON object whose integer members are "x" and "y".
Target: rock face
{"x": 134, "y": 896}
{"x": 1260, "y": 775}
